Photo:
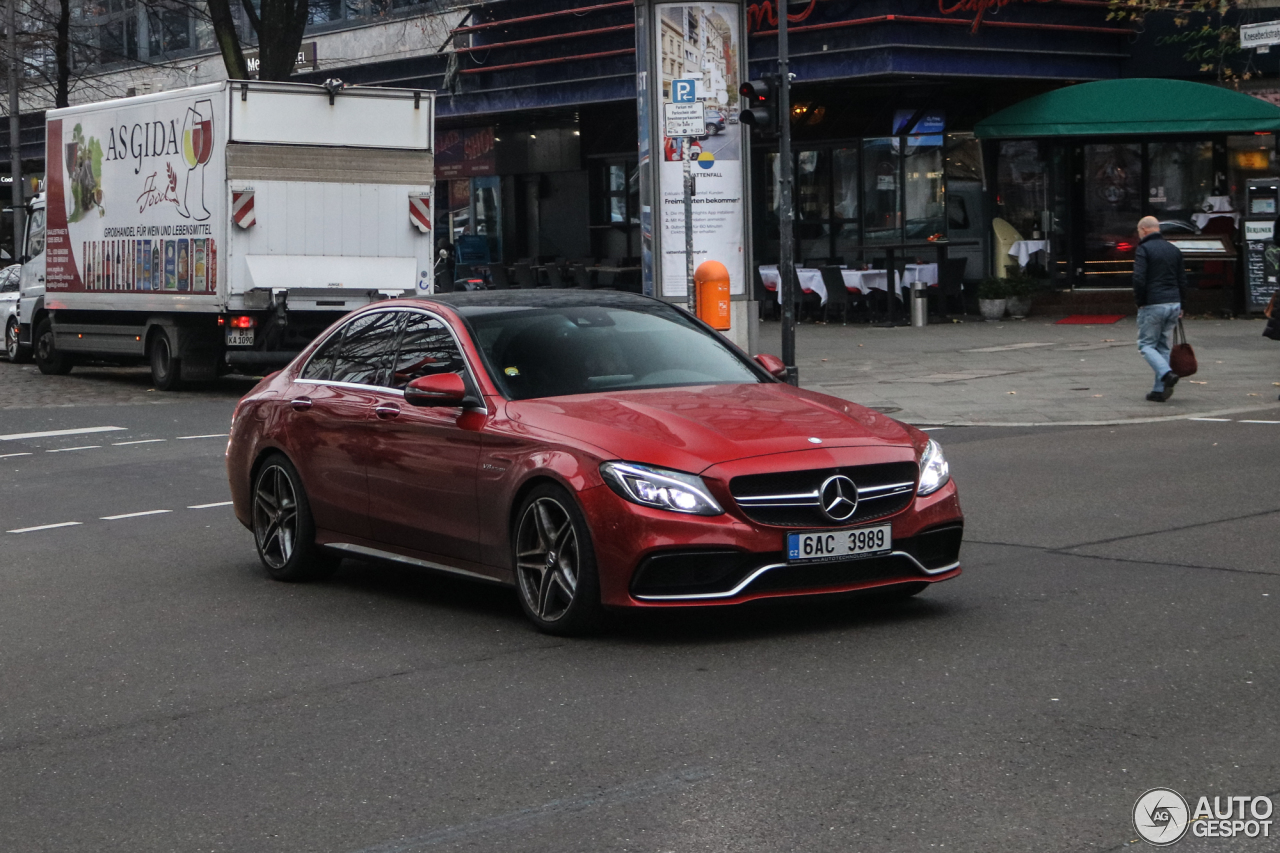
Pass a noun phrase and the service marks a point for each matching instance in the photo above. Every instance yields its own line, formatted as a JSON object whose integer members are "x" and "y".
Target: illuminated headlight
{"x": 934, "y": 470}
{"x": 660, "y": 488}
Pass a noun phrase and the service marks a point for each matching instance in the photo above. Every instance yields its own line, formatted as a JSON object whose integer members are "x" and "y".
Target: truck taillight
{"x": 242, "y": 322}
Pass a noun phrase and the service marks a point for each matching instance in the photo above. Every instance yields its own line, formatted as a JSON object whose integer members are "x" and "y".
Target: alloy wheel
{"x": 547, "y": 559}
{"x": 275, "y": 516}
{"x": 11, "y": 340}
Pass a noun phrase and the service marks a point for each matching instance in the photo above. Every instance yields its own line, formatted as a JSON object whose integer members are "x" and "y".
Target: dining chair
{"x": 837, "y": 294}
{"x": 583, "y": 276}
{"x": 951, "y": 284}
{"x": 498, "y": 278}
{"x": 522, "y": 272}
{"x": 555, "y": 275}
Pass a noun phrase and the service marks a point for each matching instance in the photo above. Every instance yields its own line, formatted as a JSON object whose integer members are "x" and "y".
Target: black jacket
{"x": 1159, "y": 275}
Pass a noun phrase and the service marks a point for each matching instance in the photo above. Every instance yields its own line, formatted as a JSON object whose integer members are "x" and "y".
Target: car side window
{"x": 365, "y": 354}
{"x": 320, "y": 367}
{"x": 426, "y": 348}
{"x": 9, "y": 280}
{"x": 35, "y": 232}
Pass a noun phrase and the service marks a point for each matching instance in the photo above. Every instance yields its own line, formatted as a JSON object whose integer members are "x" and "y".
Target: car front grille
{"x": 791, "y": 499}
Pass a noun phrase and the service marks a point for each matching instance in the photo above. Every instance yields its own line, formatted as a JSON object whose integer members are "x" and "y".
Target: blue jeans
{"x": 1155, "y": 328}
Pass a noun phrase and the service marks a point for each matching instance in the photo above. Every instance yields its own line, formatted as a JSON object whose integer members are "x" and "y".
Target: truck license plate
{"x": 839, "y": 544}
{"x": 239, "y": 337}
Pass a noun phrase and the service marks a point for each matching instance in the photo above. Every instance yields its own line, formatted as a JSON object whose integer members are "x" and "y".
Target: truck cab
{"x": 31, "y": 284}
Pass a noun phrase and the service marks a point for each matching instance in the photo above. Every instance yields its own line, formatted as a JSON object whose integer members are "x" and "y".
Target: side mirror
{"x": 442, "y": 389}
{"x": 772, "y": 363}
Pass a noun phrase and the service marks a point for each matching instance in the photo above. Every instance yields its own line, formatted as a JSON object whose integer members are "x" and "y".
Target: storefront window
{"x": 1250, "y": 157}
{"x": 813, "y": 205}
{"x": 881, "y": 216}
{"x": 487, "y": 194}
{"x": 1021, "y": 185}
{"x": 1113, "y": 204}
{"x": 844, "y": 210}
{"x": 1181, "y": 179}
{"x": 925, "y": 193}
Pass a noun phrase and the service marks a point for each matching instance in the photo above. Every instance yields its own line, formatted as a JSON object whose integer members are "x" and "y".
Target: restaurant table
{"x": 862, "y": 281}
{"x": 1024, "y": 249}
{"x": 810, "y": 281}
{"x": 927, "y": 273}
{"x": 938, "y": 247}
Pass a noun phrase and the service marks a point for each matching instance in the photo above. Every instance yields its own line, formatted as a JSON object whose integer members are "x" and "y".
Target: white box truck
{"x": 224, "y": 225}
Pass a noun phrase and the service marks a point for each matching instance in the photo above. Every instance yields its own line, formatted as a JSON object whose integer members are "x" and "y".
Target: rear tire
{"x": 48, "y": 359}
{"x": 283, "y": 527}
{"x": 166, "y": 368}
{"x": 18, "y": 354}
{"x": 555, "y": 564}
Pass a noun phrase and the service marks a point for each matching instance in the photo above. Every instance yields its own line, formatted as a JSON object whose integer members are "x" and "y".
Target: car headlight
{"x": 660, "y": 488}
{"x": 934, "y": 470}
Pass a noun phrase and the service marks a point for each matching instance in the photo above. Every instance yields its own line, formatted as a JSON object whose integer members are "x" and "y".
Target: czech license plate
{"x": 839, "y": 544}
{"x": 239, "y": 337}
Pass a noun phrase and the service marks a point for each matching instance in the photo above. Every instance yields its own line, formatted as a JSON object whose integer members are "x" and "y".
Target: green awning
{"x": 1137, "y": 106}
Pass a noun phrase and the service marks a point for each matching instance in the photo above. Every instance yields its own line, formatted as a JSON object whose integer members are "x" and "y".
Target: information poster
{"x": 701, "y": 42}
{"x": 1262, "y": 263}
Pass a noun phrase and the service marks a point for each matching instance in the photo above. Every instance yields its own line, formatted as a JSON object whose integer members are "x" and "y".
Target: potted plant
{"x": 1019, "y": 290}
{"x": 992, "y": 293}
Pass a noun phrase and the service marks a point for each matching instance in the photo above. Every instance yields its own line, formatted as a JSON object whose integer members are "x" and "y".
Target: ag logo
{"x": 1160, "y": 816}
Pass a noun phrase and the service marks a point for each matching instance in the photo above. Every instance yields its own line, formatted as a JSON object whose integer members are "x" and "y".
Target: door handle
{"x": 387, "y": 411}
{"x": 300, "y": 404}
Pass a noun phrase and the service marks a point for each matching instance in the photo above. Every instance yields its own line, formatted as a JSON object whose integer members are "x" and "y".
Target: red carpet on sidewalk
{"x": 1089, "y": 319}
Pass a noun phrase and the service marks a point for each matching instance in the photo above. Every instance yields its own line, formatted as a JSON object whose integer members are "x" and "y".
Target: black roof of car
{"x": 544, "y": 298}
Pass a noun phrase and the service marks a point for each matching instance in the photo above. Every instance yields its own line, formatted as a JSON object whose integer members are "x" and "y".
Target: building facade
{"x": 537, "y": 145}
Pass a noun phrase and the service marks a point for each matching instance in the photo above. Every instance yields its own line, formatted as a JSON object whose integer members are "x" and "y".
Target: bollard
{"x": 919, "y": 303}
{"x": 712, "y": 295}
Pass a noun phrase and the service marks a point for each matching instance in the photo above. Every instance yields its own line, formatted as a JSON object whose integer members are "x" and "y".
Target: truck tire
{"x": 48, "y": 359}
{"x": 18, "y": 353}
{"x": 166, "y": 368}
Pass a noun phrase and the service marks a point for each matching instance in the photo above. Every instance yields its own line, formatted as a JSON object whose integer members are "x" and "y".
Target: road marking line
{"x": 11, "y": 455}
{"x": 69, "y": 449}
{"x": 210, "y": 506}
{"x": 44, "y": 527}
{"x": 139, "y": 441}
{"x": 1223, "y": 420}
{"x": 18, "y": 436}
{"x": 213, "y": 435}
{"x": 930, "y": 429}
{"x": 133, "y": 514}
{"x": 1260, "y": 422}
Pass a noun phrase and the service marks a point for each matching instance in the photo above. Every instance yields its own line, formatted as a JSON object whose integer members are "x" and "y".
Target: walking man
{"x": 1159, "y": 285}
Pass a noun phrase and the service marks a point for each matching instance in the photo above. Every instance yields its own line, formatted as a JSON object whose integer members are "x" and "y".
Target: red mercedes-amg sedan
{"x": 593, "y": 449}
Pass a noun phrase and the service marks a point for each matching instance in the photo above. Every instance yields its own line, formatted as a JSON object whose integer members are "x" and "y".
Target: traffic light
{"x": 760, "y": 105}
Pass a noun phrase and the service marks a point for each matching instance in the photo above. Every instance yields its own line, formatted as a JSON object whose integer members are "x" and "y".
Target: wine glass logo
{"x": 197, "y": 148}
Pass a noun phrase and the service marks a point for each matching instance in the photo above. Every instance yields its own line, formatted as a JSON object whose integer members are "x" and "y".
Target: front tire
{"x": 17, "y": 353}
{"x": 48, "y": 359}
{"x": 166, "y": 368}
{"x": 283, "y": 527}
{"x": 555, "y": 564}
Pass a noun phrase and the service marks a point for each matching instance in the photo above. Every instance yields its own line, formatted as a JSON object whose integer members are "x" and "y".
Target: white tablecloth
{"x": 810, "y": 280}
{"x": 1202, "y": 219}
{"x": 928, "y": 273}
{"x": 1024, "y": 249}
{"x": 863, "y": 281}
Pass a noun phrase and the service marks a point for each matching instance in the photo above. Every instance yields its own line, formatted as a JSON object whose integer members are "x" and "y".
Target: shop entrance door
{"x": 1110, "y": 210}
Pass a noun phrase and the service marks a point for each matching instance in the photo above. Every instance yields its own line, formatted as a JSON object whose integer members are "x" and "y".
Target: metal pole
{"x": 786, "y": 247}
{"x": 688, "y": 228}
{"x": 15, "y": 147}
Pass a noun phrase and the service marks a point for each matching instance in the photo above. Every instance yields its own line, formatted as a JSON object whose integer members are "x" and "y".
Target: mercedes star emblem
{"x": 839, "y": 497}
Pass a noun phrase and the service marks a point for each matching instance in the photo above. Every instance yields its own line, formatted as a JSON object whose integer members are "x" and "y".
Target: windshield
{"x": 563, "y": 350}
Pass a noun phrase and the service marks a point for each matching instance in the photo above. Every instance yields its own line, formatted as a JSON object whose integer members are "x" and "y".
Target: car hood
{"x": 693, "y": 428}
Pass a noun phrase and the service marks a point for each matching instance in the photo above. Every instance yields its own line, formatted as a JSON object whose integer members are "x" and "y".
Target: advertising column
{"x": 702, "y": 42}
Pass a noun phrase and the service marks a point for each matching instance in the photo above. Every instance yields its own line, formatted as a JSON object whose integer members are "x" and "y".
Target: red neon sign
{"x": 979, "y": 8}
{"x": 758, "y": 14}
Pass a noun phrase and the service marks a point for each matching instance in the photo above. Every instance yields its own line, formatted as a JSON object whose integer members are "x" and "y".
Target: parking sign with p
{"x": 682, "y": 92}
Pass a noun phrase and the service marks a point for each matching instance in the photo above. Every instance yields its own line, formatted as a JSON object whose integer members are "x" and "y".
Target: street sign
{"x": 682, "y": 119}
{"x": 1260, "y": 35}
{"x": 683, "y": 91}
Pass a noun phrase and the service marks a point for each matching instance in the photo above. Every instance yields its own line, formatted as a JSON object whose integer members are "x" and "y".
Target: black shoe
{"x": 1156, "y": 398}
{"x": 1169, "y": 379}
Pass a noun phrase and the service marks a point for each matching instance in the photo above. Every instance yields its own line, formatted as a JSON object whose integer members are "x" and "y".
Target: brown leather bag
{"x": 1182, "y": 358}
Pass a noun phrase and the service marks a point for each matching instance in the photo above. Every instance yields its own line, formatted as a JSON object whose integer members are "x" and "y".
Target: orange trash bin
{"x": 711, "y": 283}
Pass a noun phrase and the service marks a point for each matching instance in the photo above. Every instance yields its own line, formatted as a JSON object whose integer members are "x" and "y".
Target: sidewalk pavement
{"x": 1030, "y": 372}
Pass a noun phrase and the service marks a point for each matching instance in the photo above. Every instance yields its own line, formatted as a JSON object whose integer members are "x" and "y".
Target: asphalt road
{"x": 1115, "y": 630}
